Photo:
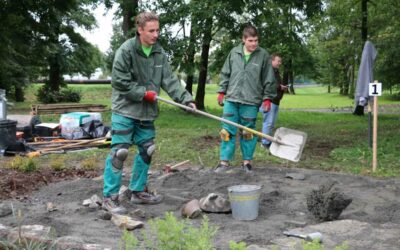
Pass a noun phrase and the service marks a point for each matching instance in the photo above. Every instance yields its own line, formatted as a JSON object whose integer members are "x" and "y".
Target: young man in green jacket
{"x": 140, "y": 70}
{"x": 247, "y": 81}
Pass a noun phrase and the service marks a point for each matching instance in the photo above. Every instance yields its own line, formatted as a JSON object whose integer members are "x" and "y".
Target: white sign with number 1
{"x": 375, "y": 89}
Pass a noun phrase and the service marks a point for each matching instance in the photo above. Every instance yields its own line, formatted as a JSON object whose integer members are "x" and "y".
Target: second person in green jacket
{"x": 247, "y": 81}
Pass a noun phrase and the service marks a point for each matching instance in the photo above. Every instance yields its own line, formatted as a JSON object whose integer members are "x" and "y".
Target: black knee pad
{"x": 146, "y": 150}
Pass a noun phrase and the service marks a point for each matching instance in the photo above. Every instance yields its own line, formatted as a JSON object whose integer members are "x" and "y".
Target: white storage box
{"x": 71, "y": 123}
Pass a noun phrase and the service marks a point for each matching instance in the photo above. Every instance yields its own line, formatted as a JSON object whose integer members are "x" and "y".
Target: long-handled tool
{"x": 81, "y": 143}
{"x": 307, "y": 237}
{"x": 286, "y": 143}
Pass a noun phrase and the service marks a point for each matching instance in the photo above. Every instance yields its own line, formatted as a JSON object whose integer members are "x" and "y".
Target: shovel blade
{"x": 289, "y": 144}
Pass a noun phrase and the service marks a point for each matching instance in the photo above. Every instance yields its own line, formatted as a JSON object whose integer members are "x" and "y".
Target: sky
{"x": 101, "y": 35}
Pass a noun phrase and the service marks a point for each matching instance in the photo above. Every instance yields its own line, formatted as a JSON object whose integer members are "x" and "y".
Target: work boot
{"x": 111, "y": 204}
{"x": 142, "y": 197}
{"x": 221, "y": 168}
{"x": 246, "y": 167}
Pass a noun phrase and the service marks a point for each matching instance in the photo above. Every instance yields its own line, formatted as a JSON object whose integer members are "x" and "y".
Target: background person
{"x": 247, "y": 81}
{"x": 140, "y": 70}
{"x": 270, "y": 117}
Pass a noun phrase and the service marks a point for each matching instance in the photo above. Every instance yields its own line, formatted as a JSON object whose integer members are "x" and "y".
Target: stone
{"x": 93, "y": 206}
{"x": 215, "y": 203}
{"x": 255, "y": 247}
{"x": 96, "y": 199}
{"x": 4, "y": 231}
{"x": 5, "y": 209}
{"x": 72, "y": 242}
{"x": 139, "y": 213}
{"x": 36, "y": 233}
{"x": 295, "y": 176}
{"x": 104, "y": 215}
{"x": 50, "y": 207}
{"x": 86, "y": 202}
{"x": 126, "y": 222}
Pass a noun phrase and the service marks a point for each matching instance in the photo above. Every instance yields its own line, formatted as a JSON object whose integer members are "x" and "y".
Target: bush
{"x": 58, "y": 164}
{"x": 22, "y": 164}
{"x": 237, "y": 246}
{"x": 89, "y": 164}
{"x": 171, "y": 234}
{"x": 45, "y": 95}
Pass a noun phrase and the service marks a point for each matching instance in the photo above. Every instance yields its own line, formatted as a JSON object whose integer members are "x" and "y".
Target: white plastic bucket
{"x": 245, "y": 201}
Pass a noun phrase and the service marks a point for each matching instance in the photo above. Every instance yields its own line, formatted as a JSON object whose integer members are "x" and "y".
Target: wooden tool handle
{"x": 221, "y": 120}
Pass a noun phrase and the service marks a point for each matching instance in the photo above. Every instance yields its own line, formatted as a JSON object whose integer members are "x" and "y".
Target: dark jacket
{"x": 279, "y": 91}
{"x": 134, "y": 73}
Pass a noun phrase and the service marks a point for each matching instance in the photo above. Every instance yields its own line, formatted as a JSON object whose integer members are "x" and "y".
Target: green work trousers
{"x": 245, "y": 115}
{"x": 128, "y": 131}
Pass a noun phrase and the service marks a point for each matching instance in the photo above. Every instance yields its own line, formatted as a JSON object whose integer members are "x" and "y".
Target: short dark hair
{"x": 250, "y": 31}
{"x": 145, "y": 17}
{"x": 275, "y": 54}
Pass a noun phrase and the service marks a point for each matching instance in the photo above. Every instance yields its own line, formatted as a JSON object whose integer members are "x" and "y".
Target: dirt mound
{"x": 15, "y": 184}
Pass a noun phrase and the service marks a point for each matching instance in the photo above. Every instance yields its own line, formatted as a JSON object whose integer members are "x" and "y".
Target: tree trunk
{"x": 55, "y": 77}
{"x": 288, "y": 76}
{"x": 190, "y": 61}
{"x": 129, "y": 11}
{"x": 189, "y": 84}
{"x": 19, "y": 94}
{"x": 291, "y": 80}
{"x": 205, "y": 48}
{"x": 364, "y": 19}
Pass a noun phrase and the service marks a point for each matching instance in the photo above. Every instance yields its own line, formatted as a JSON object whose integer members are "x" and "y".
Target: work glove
{"x": 191, "y": 105}
{"x": 266, "y": 105}
{"x": 150, "y": 96}
{"x": 220, "y": 98}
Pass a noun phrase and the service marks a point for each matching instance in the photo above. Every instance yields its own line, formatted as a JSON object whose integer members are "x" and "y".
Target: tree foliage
{"x": 38, "y": 38}
{"x": 338, "y": 41}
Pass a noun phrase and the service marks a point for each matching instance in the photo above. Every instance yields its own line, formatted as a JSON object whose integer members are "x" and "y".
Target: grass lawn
{"x": 336, "y": 142}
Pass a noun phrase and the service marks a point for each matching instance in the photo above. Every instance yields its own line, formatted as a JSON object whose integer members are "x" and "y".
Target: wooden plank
{"x": 60, "y": 108}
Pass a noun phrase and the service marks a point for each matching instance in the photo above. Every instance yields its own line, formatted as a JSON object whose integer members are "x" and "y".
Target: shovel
{"x": 286, "y": 144}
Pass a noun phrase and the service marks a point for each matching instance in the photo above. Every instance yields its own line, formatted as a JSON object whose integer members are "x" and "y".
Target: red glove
{"x": 266, "y": 105}
{"x": 150, "y": 96}
{"x": 220, "y": 99}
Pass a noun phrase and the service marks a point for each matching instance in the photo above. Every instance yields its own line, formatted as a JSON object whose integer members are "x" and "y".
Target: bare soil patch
{"x": 372, "y": 218}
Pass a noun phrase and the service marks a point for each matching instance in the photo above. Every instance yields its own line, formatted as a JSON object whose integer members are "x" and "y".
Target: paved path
{"x": 382, "y": 109}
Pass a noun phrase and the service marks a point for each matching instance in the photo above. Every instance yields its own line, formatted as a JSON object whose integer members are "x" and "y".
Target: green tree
{"x": 37, "y": 36}
{"x": 17, "y": 50}
{"x": 340, "y": 36}
{"x": 84, "y": 59}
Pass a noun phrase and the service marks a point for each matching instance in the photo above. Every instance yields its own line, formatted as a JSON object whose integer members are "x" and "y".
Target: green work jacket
{"x": 134, "y": 73}
{"x": 248, "y": 83}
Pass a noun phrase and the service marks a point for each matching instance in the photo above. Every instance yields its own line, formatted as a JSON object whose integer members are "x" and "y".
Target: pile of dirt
{"x": 18, "y": 185}
{"x": 283, "y": 206}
